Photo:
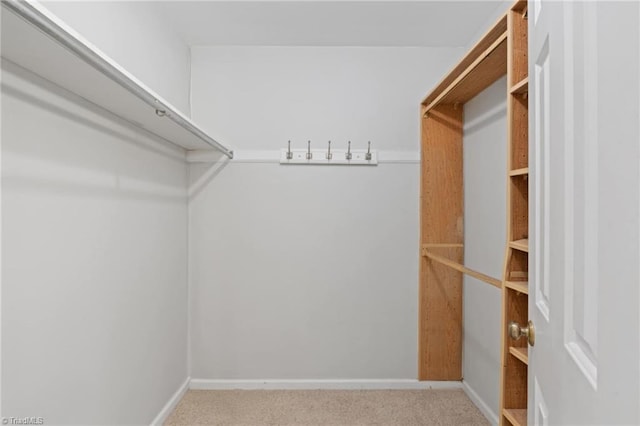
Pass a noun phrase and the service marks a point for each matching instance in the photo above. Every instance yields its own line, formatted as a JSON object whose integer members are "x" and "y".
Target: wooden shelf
{"x": 517, "y": 417}
{"x": 482, "y": 66}
{"x": 92, "y": 75}
{"x": 521, "y": 87}
{"x": 519, "y": 172}
{"x": 520, "y": 353}
{"x": 519, "y": 286}
{"x": 522, "y": 245}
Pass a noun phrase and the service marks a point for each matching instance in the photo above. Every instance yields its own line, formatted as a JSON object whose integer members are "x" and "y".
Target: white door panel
{"x": 581, "y": 183}
{"x": 585, "y": 212}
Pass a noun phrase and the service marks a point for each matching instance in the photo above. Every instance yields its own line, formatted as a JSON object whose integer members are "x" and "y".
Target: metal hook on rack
{"x": 330, "y": 156}
{"x": 309, "y": 154}
{"x": 289, "y": 153}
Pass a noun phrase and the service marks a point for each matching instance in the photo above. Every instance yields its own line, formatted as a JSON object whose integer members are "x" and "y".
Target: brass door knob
{"x": 516, "y": 332}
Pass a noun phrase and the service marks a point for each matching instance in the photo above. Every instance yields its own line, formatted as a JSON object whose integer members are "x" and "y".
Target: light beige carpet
{"x": 326, "y": 407}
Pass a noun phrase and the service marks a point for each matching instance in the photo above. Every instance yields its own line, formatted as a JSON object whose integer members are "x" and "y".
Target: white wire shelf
{"x": 35, "y": 39}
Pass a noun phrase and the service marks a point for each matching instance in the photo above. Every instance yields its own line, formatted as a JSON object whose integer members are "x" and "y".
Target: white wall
{"x": 302, "y": 272}
{"x": 139, "y": 38}
{"x": 260, "y": 97}
{"x": 500, "y": 8}
{"x": 485, "y": 162}
{"x": 305, "y": 273}
{"x": 94, "y": 278}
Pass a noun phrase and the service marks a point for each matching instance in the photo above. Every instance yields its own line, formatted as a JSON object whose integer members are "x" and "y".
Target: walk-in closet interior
{"x": 315, "y": 212}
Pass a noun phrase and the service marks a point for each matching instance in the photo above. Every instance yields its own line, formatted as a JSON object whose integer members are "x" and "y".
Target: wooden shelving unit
{"x": 503, "y": 50}
{"x": 442, "y": 239}
{"x": 515, "y": 359}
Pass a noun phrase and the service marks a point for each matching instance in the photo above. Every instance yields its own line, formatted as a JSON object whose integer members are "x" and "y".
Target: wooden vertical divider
{"x": 518, "y": 69}
{"x": 440, "y": 292}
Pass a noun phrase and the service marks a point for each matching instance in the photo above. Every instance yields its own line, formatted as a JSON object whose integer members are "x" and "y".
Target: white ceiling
{"x": 328, "y": 23}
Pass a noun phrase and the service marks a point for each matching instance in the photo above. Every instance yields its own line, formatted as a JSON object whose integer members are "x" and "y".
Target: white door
{"x": 585, "y": 212}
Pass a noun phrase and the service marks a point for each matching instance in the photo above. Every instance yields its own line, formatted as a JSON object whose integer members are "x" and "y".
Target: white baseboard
{"x": 171, "y": 404}
{"x": 479, "y": 402}
{"x": 203, "y": 384}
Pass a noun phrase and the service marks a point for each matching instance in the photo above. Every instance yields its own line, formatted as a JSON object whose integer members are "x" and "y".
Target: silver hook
{"x": 289, "y": 153}
{"x": 348, "y": 154}
{"x": 309, "y": 154}
{"x": 368, "y": 154}
{"x": 329, "y": 154}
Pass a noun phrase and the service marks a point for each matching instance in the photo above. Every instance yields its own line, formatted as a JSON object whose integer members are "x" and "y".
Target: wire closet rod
{"x": 35, "y": 17}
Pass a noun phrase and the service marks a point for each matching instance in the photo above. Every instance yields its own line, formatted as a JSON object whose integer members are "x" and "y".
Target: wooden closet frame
{"x": 502, "y": 50}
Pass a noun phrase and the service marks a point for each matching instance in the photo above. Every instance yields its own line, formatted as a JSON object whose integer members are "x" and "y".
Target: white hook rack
{"x": 330, "y": 156}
